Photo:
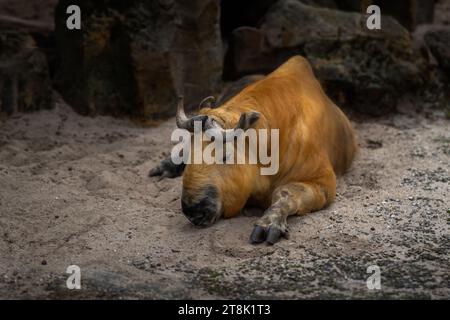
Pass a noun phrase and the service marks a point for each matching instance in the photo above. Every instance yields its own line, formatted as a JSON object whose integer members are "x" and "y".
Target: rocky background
{"x": 134, "y": 58}
{"x": 74, "y": 188}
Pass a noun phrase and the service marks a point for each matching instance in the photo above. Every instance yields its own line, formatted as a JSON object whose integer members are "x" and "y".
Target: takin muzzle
{"x": 203, "y": 209}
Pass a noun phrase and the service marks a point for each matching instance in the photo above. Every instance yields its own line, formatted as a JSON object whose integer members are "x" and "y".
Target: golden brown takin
{"x": 316, "y": 144}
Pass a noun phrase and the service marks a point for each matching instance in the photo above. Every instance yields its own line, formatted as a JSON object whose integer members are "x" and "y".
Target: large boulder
{"x": 360, "y": 68}
{"x": 409, "y": 13}
{"x": 237, "y": 13}
{"x": 135, "y": 57}
{"x": 425, "y": 11}
{"x": 25, "y": 83}
{"x": 438, "y": 41}
{"x": 353, "y": 5}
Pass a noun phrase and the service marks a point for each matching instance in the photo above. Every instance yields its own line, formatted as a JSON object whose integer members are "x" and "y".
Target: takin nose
{"x": 203, "y": 211}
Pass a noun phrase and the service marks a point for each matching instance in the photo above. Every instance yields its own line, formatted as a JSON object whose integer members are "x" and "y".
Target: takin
{"x": 316, "y": 144}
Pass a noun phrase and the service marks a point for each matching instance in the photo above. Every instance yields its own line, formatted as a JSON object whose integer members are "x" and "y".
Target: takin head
{"x": 211, "y": 191}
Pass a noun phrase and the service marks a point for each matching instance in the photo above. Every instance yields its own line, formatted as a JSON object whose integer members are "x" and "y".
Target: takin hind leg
{"x": 290, "y": 199}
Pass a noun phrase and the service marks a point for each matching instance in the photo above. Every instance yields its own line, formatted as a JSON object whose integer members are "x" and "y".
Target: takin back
{"x": 316, "y": 144}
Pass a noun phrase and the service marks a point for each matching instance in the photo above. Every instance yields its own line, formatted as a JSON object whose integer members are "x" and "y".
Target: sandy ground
{"x": 75, "y": 190}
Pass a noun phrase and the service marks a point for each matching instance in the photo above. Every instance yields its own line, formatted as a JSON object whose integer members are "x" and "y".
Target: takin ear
{"x": 248, "y": 119}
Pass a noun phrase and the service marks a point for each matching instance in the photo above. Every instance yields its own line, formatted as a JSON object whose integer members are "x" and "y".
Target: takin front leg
{"x": 167, "y": 169}
{"x": 293, "y": 198}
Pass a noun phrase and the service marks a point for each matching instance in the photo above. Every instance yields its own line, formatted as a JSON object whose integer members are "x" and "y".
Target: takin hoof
{"x": 167, "y": 169}
{"x": 158, "y": 172}
{"x": 271, "y": 234}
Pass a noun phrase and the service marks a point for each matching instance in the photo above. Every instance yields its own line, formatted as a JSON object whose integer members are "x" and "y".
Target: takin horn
{"x": 183, "y": 122}
{"x": 209, "y": 101}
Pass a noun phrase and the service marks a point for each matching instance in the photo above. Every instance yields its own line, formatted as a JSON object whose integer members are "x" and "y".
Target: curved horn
{"x": 183, "y": 122}
{"x": 209, "y": 101}
{"x": 181, "y": 119}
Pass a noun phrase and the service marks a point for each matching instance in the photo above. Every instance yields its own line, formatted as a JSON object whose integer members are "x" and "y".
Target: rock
{"x": 366, "y": 70}
{"x": 25, "y": 83}
{"x": 29, "y": 11}
{"x": 136, "y": 57}
{"x": 248, "y": 53}
{"x": 404, "y": 11}
{"x": 424, "y": 11}
{"x": 236, "y": 13}
{"x": 409, "y": 13}
{"x": 353, "y": 5}
{"x": 438, "y": 41}
{"x": 321, "y": 3}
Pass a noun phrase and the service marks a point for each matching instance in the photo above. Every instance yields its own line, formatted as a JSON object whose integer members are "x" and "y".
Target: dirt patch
{"x": 75, "y": 190}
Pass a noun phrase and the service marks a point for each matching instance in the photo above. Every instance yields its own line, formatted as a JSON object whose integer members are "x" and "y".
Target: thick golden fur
{"x": 316, "y": 144}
